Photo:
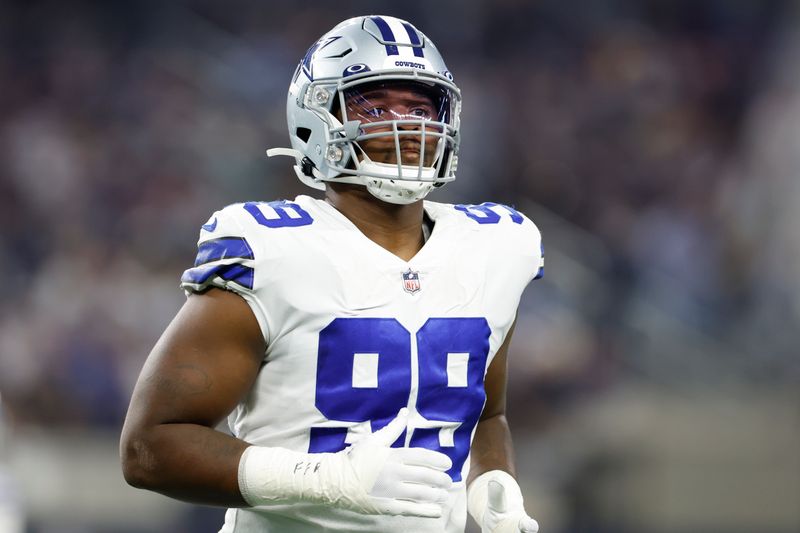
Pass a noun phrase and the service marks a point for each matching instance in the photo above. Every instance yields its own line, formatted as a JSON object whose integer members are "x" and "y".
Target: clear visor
{"x": 403, "y": 122}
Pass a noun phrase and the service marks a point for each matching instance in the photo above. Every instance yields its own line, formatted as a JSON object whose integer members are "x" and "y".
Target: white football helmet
{"x": 372, "y": 103}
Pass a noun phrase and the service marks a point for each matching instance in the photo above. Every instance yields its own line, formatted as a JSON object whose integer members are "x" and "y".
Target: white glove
{"x": 369, "y": 477}
{"x": 495, "y": 502}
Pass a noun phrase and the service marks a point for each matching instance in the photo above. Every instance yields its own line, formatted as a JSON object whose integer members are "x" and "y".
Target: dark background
{"x": 655, "y": 369}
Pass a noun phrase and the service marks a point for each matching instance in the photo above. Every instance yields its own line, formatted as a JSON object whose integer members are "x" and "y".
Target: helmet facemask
{"x": 398, "y": 136}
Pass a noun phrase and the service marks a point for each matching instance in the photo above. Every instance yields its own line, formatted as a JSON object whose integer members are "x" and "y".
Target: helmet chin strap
{"x": 373, "y": 176}
{"x": 398, "y": 192}
{"x": 291, "y": 152}
{"x": 395, "y": 191}
{"x": 298, "y": 157}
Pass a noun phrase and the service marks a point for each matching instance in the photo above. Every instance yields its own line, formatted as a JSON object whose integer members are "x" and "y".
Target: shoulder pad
{"x": 510, "y": 231}
{"x": 224, "y": 256}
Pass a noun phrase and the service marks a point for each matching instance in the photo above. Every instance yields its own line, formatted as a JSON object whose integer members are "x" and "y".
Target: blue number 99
{"x": 364, "y": 375}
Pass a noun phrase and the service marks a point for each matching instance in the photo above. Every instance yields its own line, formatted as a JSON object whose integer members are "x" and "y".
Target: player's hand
{"x": 399, "y": 481}
{"x": 494, "y": 500}
{"x": 501, "y": 517}
{"x": 370, "y": 477}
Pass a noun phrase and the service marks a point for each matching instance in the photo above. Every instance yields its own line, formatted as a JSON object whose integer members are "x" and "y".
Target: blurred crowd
{"x": 644, "y": 127}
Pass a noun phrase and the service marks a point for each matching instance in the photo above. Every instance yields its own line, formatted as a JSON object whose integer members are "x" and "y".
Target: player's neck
{"x": 397, "y": 228}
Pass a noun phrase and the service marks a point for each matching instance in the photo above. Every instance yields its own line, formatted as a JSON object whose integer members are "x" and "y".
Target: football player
{"x": 357, "y": 343}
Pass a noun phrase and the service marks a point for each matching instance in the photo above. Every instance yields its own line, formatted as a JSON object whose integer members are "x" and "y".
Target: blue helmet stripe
{"x": 388, "y": 36}
{"x": 223, "y": 248}
{"x": 414, "y": 36}
{"x": 237, "y": 273}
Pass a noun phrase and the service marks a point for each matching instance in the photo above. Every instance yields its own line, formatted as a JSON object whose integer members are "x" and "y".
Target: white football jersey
{"x": 354, "y": 333}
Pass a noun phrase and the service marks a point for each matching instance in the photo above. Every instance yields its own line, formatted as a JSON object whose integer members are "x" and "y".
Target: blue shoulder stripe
{"x": 237, "y": 273}
{"x": 223, "y": 248}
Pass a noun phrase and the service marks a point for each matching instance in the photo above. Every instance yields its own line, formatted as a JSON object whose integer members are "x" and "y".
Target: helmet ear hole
{"x": 304, "y": 134}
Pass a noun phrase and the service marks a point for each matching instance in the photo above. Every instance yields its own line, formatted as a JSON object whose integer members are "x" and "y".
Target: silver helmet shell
{"x": 356, "y": 53}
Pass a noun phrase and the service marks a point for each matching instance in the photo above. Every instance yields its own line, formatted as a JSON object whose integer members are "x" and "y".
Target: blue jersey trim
{"x": 210, "y": 227}
{"x": 223, "y": 248}
{"x": 540, "y": 273}
{"x": 240, "y": 274}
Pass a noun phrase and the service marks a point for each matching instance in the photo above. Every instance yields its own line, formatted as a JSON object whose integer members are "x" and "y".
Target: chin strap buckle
{"x": 307, "y": 167}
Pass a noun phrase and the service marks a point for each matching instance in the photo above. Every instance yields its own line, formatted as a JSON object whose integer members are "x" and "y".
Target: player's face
{"x": 374, "y": 105}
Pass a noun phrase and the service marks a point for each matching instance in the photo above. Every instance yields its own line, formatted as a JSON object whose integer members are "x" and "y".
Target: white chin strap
{"x": 396, "y": 191}
{"x": 374, "y": 177}
{"x": 387, "y": 189}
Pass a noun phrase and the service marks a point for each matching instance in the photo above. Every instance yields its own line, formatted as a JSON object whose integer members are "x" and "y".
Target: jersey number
{"x": 279, "y": 214}
{"x": 283, "y": 214}
{"x": 490, "y": 212}
{"x": 365, "y": 371}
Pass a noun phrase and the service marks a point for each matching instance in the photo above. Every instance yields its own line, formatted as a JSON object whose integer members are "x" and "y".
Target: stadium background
{"x": 655, "y": 370}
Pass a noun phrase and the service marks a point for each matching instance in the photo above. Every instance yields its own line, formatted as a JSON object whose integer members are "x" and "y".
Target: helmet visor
{"x": 402, "y": 121}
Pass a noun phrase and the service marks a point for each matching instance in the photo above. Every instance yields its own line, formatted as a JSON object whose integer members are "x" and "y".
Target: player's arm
{"x": 494, "y": 498}
{"x": 203, "y": 365}
{"x": 492, "y": 448}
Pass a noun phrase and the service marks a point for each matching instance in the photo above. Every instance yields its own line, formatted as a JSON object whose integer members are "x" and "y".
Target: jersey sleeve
{"x": 523, "y": 240}
{"x": 532, "y": 243}
{"x": 226, "y": 259}
{"x": 512, "y": 235}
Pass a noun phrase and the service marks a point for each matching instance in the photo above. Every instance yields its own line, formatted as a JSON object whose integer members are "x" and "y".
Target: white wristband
{"x": 370, "y": 477}
{"x": 278, "y": 475}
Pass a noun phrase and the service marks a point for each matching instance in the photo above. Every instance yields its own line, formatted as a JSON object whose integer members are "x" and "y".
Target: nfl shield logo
{"x": 411, "y": 281}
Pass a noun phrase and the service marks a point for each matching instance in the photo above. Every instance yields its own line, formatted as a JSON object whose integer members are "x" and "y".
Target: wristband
{"x": 278, "y": 475}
